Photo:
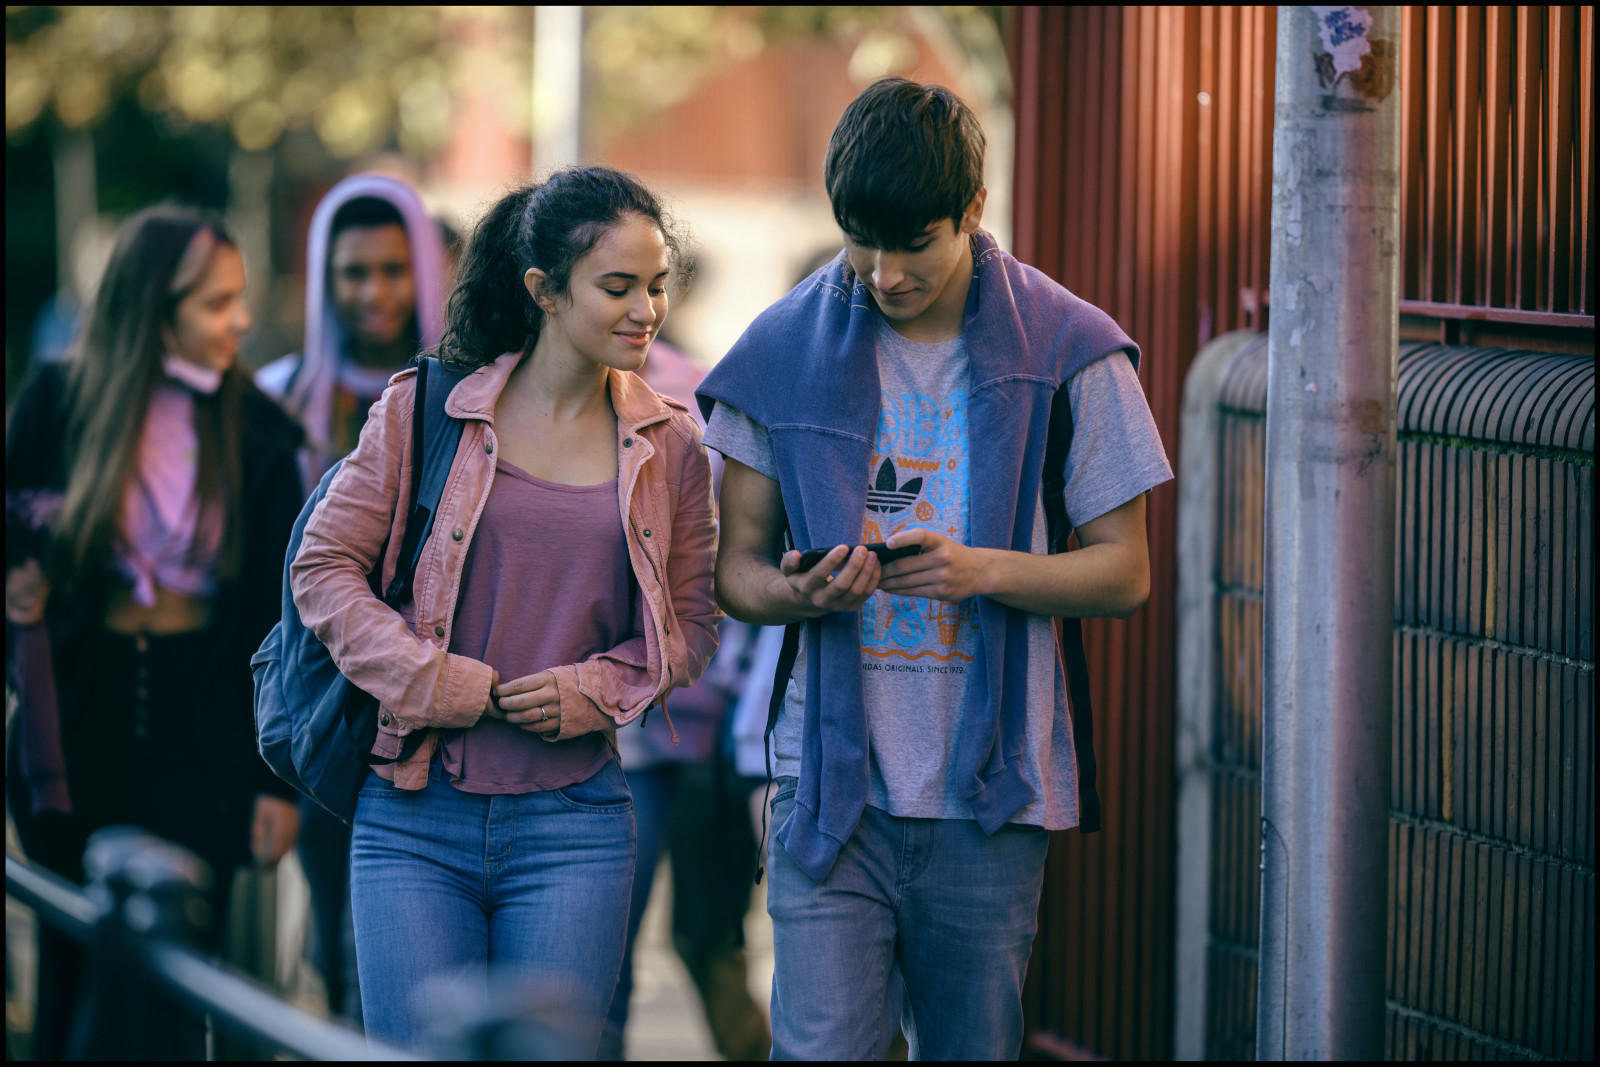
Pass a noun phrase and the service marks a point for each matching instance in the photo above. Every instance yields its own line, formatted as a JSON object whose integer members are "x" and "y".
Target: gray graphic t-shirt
{"x": 916, "y": 653}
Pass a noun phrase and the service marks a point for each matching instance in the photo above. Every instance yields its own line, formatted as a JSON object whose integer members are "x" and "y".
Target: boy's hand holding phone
{"x": 936, "y": 567}
{"x": 885, "y": 554}
{"x": 841, "y": 579}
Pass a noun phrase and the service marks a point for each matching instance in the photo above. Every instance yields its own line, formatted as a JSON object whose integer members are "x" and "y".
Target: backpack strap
{"x": 430, "y": 469}
{"x": 1069, "y": 632}
{"x": 780, "y": 689}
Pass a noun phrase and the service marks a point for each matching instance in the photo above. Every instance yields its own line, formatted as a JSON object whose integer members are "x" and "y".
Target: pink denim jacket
{"x": 664, "y": 498}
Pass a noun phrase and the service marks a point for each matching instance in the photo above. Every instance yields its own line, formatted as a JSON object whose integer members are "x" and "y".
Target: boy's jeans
{"x": 527, "y": 892}
{"x": 954, "y": 908}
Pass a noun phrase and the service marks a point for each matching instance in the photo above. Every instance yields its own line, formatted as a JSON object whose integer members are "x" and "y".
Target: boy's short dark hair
{"x": 362, "y": 212}
{"x": 903, "y": 155}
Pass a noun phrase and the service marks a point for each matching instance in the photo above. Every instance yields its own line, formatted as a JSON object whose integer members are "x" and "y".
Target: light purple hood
{"x": 305, "y": 385}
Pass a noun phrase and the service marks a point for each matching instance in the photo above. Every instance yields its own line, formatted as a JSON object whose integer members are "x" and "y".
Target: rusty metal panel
{"x": 1142, "y": 183}
{"x": 1107, "y": 161}
{"x": 1497, "y": 177}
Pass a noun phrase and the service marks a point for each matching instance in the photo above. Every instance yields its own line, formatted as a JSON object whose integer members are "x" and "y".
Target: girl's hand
{"x": 273, "y": 828}
{"x": 533, "y": 703}
{"x": 27, "y": 591}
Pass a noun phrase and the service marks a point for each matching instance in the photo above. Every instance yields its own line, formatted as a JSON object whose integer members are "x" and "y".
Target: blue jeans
{"x": 953, "y": 908}
{"x": 527, "y": 891}
{"x": 654, "y": 789}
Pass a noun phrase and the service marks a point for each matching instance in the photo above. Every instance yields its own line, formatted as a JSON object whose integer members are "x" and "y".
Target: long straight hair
{"x": 161, "y": 253}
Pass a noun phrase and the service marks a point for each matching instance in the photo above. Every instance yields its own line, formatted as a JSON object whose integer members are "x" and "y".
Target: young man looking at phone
{"x": 903, "y": 394}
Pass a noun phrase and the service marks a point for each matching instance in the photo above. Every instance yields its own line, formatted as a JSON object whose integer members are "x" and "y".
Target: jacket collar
{"x": 635, "y": 403}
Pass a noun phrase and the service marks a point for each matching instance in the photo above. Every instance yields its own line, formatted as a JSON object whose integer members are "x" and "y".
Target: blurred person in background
{"x": 375, "y": 286}
{"x": 150, "y": 492}
{"x": 690, "y": 800}
{"x": 908, "y": 394}
{"x": 566, "y": 590}
{"x": 375, "y": 290}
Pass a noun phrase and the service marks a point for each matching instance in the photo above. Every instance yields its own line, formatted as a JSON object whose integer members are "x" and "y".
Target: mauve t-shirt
{"x": 546, "y": 583}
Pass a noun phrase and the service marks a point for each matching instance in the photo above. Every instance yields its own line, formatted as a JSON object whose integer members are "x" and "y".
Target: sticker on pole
{"x": 1344, "y": 35}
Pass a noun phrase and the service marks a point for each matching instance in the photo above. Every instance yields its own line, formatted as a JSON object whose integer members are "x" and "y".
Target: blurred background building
{"x": 258, "y": 110}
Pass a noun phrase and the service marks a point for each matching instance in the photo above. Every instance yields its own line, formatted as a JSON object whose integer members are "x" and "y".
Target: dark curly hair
{"x": 550, "y": 225}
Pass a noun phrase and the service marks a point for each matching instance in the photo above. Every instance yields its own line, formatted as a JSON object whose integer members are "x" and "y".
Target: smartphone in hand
{"x": 884, "y": 553}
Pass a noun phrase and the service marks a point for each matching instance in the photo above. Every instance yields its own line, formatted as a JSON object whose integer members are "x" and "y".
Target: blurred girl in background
{"x": 150, "y": 491}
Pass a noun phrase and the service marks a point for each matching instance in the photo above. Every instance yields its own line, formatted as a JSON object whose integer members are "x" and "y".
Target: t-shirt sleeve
{"x": 1116, "y": 451}
{"x": 737, "y": 436}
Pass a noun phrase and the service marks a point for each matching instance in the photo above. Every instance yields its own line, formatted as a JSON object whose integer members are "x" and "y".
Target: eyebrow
{"x": 625, "y": 276}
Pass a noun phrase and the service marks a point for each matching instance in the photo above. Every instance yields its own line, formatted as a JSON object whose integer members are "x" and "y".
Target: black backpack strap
{"x": 430, "y": 469}
{"x": 780, "y": 688}
{"x": 1069, "y": 632}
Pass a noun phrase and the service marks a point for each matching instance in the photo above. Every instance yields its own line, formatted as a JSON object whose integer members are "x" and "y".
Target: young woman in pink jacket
{"x": 565, "y": 588}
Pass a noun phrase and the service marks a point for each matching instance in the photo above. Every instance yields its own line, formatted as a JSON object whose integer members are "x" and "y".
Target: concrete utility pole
{"x": 557, "y": 87}
{"x": 1329, "y": 547}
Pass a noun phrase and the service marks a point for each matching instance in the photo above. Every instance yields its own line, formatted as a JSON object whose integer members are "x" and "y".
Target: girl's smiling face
{"x": 211, "y": 318}
{"x": 616, "y": 299}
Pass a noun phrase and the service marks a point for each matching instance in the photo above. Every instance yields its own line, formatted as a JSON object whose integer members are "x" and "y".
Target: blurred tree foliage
{"x": 361, "y": 77}
{"x": 365, "y": 77}
{"x": 643, "y": 59}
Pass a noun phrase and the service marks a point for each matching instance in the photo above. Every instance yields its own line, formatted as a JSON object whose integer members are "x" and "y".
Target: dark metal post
{"x": 1329, "y": 539}
{"x": 145, "y": 888}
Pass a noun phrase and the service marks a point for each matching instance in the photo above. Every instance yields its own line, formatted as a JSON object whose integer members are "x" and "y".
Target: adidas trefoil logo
{"x": 887, "y": 496}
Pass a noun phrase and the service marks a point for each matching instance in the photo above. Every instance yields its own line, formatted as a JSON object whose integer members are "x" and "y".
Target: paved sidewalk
{"x": 665, "y": 1021}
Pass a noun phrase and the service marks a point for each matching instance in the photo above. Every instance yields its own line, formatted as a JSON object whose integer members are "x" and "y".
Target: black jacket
{"x": 245, "y": 608}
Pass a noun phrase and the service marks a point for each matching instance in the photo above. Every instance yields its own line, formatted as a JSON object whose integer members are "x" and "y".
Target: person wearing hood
{"x": 375, "y": 268}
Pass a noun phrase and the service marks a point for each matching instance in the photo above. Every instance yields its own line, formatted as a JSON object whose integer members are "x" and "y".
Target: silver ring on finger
{"x": 544, "y": 715}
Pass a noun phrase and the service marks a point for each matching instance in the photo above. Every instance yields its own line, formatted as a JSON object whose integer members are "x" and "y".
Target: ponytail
{"x": 490, "y": 311}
